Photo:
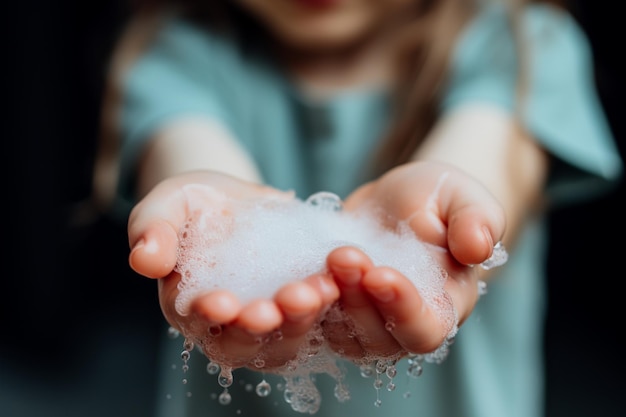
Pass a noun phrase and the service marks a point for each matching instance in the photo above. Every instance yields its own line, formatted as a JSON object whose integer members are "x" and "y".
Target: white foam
{"x": 254, "y": 247}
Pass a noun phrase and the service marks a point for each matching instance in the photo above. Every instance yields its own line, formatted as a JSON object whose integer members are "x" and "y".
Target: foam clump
{"x": 253, "y": 247}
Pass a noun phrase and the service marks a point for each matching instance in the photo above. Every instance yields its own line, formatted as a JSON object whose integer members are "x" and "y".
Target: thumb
{"x": 154, "y": 223}
{"x": 153, "y": 231}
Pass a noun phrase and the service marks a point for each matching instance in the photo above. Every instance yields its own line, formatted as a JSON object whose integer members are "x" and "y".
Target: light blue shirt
{"x": 495, "y": 366}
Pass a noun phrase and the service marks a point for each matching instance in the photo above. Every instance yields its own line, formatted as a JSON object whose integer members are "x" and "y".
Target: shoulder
{"x": 192, "y": 67}
{"x": 561, "y": 108}
{"x": 183, "y": 43}
{"x": 544, "y": 29}
{"x": 549, "y": 47}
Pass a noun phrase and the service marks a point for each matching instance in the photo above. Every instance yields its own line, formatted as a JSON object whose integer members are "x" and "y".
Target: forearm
{"x": 193, "y": 144}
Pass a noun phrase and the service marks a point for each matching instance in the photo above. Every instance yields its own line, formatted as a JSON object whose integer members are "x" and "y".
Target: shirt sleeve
{"x": 561, "y": 108}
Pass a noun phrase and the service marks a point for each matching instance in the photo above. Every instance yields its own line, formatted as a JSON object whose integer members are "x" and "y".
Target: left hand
{"x": 457, "y": 218}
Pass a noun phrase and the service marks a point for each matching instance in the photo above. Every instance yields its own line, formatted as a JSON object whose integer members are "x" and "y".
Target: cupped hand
{"x": 457, "y": 218}
{"x": 233, "y": 333}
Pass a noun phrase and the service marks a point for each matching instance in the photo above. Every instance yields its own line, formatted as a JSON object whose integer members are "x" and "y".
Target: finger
{"x": 300, "y": 305}
{"x": 414, "y": 324}
{"x": 429, "y": 227}
{"x": 240, "y": 342}
{"x": 466, "y": 221}
{"x": 227, "y": 330}
{"x": 339, "y": 334}
{"x": 155, "y": 221}
{"x": 328, "y": 290}
{"x": 154, "y": 254}
{"x": 461, "y": 285}
{"x": 475, "y": 219}
{"x": 217, "y": 307}
{"x": 259, "y": 317}
{"x": 446, "y": 209}
{"x": 168, "y": 291}
{"x": 473, "y": 232}
{"x": 153, "y": 227}
{"x": 212, "y": 309}
{"x": 325, "y": 286}
{"x": 349, "y": 266}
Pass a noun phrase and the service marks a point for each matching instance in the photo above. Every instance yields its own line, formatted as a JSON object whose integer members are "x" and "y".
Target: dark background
{"x": 80, "y": 330}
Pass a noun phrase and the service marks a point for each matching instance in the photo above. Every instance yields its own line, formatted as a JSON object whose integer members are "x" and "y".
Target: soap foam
{"x": 254, "y": 247}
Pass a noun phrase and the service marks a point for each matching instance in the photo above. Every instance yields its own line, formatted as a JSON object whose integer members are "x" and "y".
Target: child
{"x": 464, "y": 119}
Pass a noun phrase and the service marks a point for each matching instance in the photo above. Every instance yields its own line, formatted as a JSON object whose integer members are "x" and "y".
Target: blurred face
{"x": 312, "y": 24}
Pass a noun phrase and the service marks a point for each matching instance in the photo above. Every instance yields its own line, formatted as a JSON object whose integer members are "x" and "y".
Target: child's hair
{"x": 422, "y": 65}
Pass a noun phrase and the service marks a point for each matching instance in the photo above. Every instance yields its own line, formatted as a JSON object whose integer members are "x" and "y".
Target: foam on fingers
{"x": 254, "y": 247}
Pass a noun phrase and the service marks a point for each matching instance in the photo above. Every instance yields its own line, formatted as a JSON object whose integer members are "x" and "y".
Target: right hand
{"x": 153, "y": 230}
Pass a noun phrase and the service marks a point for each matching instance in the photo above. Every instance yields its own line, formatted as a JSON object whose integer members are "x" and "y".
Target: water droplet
{"x": 212, "y": 368}
{"x": 260, "y": 340}
{"x": 188, "y": 345}
{"x": 263, "y": 389}
{"x": 378, "y": 383}
{"x": 288, "y": 396}
{"x": 378, "y": 402}
{"x": 391, "y": 371}
{"x": 325, "y": 201}
{"x": 381, "y": 366}
{"x": 225, "y": 397}
{"x": 225, "y": 379}
{"x": 184, "y": 355}
{"x": 391, "y": 386}
{"x": 482, "y": 288}
{"x": 367, "y": 371}
{"x": 498, "y": 257}
{"x": 342, "y": 393}
{"x": 390, "y": 325}
{"x": 215, "y": 330}
{"x": 414, "y": 370}
{"x": 172, "y": 333}
{"x": 315, "y": 343}
{"x": 259, "y": 362}
{"x": 416, "y": 358}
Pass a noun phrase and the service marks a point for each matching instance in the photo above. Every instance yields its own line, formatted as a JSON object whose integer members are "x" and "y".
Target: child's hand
{"x": 447, "y": 209}
{"x": 153, "y": 233}
{"x": 460, "y": 220}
